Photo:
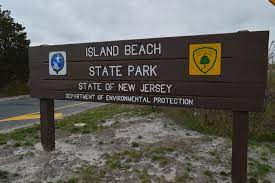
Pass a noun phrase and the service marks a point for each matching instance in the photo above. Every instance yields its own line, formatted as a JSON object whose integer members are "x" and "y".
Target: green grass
{"x": 217, "y": 122}
{"x": 207, "y": 121}
{"x": 143, "y": 175}
{"x": 271, "y": 147}
{"x": 94, "y": 117}
{"x": 3, "y": 139}
{"x": 258, "y": 170}
{"x": 225, "y": 174}
{"x": 162, "y": 160}
{"x": 208, "y": 173}
{"x": 114, "y": 161}
{"x": 5, "y": 176}
{"x": 188, "y": 167}
{"x": 28, "y": 154}
{"x": 158, "y": 155}
{"x": 121, "y": 160}
{"x": 135, "y": 144}
{"x": 71, "y": 180}
{"x": 92, "y": 173}
{"x": 264, "y": 156}
{"x": 87, "y": 173}
{"x": 184, "y": 177}
{"x": 216, "y": 154}
{"x": 162, "y": 150}
{"x": 132, "y": 156}
{"x": 22, "y": 137}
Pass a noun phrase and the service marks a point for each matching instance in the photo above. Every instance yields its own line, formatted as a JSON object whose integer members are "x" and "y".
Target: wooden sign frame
{"x": 219, "y": 71}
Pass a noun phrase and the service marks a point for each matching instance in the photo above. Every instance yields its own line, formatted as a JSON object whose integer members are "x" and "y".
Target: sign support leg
{"x": 47, "y": 124}
{"x": 239, "y": 146}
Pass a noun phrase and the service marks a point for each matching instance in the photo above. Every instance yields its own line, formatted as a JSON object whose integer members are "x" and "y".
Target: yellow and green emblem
{"x": 205, "y": 59}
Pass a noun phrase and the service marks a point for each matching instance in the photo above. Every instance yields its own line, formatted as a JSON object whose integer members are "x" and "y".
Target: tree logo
{"x": 57, "y": 63}
{"x": 205, "y": 59}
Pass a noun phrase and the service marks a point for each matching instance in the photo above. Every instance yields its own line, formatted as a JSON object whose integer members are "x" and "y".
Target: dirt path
{"x": 150, "y": 148}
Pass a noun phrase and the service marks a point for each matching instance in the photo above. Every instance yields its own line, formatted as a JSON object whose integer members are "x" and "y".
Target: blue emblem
{"x": 57, "y": 62}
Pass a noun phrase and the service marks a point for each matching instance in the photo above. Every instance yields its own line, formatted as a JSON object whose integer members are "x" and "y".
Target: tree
{"x": 13, "y": 50}
{"x": 204, "y": 60}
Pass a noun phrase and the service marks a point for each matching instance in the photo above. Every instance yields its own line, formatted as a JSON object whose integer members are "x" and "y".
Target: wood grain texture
{"x": 241, "y": 85}
{"x": 47, "y": 124}
{"x": 206, "y": 89}
{"x": 169, "y": 69}
{"x": 173, "y": 47}
{"x": 239, "y": 147}
{"x": 225, "y": 103}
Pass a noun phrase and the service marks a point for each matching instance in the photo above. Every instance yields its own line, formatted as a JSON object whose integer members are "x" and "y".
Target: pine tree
{"x": 13, "y": 50}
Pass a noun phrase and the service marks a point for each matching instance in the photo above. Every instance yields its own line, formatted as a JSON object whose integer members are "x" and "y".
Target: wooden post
{"x": 47, "y": 124}
{"x": 239, "y": 146}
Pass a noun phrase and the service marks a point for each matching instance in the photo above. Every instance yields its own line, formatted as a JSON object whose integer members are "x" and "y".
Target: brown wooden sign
{"x": 222, "y": 71}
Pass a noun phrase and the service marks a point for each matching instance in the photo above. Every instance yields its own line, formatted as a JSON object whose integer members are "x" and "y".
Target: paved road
{"x": 19, "y": 112}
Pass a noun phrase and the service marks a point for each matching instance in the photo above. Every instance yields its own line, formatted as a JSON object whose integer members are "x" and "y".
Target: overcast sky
{"x": 74, "y": 21}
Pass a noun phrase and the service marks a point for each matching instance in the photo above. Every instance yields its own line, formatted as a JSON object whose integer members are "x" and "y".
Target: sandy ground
{"x": 150, "y": 148}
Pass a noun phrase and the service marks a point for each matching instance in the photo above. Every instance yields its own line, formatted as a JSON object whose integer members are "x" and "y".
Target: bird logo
{"x": 57, "y": 63}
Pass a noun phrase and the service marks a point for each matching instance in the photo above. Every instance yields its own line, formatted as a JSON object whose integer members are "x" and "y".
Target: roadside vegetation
{"x": 92, "y": 120}
{"x": 14, "y": 88}
{"x": 21, "y": 137}
{"x": 14, "y": 68}
{"x": 130, "y": 160}
{"x": 217, "y": 122}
